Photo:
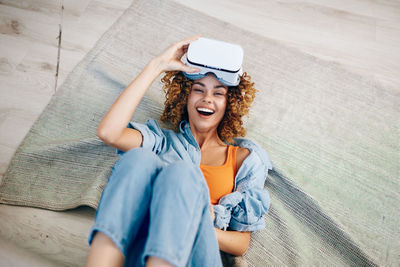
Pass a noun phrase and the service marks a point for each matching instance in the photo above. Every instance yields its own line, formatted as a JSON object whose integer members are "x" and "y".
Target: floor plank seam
{"x": 59, "y": 45}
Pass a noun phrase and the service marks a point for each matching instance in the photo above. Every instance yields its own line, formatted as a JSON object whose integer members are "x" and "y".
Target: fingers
{"x": 212, "y": 213}
{"x": 211, "y": 208}
{"x": 188, "y": 40}
{"x": 170, "y": 58}
{"x": 190, "y": 69}
{"x": 181, "y": 47}
{"x": 184, "y": 44}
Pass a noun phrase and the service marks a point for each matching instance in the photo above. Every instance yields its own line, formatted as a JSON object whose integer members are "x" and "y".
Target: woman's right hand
{"x": 170, "y": 58}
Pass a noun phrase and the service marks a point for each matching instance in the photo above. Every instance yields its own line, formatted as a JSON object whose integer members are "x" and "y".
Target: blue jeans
{"x": 150, "y": 208}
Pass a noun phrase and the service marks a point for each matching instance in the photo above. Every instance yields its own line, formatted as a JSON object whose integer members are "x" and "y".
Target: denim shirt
{"x": 241, "y": 210}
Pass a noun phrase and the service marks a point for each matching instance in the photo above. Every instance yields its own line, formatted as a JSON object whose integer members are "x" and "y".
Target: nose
{"x": 207, "y": 97}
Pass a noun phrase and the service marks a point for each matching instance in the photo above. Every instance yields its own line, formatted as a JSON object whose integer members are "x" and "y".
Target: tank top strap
{"x": 231, "y": 160}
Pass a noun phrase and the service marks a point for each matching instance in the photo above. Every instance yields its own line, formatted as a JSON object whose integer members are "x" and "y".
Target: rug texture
{"x": 333, "y": 137}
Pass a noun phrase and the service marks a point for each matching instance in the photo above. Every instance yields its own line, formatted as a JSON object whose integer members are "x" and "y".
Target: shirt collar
{"x": 184, "y": 128}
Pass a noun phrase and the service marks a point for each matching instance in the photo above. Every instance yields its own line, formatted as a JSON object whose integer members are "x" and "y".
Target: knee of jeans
{"x": 137, "y": 162}
{"x": 182, "y": 173}
{"x": 137, "y": 157}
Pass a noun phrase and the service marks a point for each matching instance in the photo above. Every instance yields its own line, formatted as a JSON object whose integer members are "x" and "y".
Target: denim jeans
{"x": 151, "y": 208}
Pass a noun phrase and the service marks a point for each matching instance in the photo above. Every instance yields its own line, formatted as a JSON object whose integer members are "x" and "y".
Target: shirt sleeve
{"x": 248, "y": 214}
{"x": 153, "y": 137}
{"x": 242, "y": 211}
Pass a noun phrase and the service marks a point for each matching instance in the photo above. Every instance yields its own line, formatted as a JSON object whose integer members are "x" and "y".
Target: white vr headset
{"x": 221, "y": 58}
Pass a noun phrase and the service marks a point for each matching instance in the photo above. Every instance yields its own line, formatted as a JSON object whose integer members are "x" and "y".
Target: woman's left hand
{"x": 212, "y": 213}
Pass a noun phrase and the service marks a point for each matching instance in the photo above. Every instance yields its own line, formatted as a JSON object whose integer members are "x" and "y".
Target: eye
{"x": 197, "y": 90}
{"x": 219, "y": 93}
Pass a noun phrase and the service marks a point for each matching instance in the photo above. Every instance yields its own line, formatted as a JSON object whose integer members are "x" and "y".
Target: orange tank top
{"x": 221, "y": 179}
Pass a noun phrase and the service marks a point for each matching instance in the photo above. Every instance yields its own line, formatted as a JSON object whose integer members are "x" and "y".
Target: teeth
{"x": 205, "y": 110}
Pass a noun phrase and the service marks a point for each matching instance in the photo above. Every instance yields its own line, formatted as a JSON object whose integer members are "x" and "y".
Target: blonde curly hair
{"x": 239, "y": 98}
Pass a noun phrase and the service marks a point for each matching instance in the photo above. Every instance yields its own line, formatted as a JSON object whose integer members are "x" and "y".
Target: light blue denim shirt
{"x": 241, "y": 210}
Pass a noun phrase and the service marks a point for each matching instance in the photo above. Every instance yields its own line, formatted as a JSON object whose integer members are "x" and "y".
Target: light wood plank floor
{"x": 362, "y": 36}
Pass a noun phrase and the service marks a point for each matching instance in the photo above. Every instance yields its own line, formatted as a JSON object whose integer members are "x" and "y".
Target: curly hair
{"x": 239, "y": 98}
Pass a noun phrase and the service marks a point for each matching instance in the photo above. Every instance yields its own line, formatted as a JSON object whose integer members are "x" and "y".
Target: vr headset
{"x": 221, "y": 58}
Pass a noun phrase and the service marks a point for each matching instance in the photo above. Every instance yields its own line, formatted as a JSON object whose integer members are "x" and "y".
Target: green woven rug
{"x": 333, "y": 137}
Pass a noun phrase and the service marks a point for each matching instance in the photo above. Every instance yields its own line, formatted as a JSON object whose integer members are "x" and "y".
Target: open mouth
{"x": 205, "y": 111}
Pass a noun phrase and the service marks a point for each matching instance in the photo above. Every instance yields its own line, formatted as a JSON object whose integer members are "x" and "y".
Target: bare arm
{"x": 112, "y": 128}
{"x": 233, "y": 242}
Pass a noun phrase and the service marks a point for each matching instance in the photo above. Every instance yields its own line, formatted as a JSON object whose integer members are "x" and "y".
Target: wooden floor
{"x": 363, "y": 36}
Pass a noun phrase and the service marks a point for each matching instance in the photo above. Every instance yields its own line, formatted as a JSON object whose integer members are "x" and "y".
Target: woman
{"x": 165, "y": 203}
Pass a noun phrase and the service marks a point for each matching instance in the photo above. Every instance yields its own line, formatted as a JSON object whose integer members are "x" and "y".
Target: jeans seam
{"x": 199, "y": 197}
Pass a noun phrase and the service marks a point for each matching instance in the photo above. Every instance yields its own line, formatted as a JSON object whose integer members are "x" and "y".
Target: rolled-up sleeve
{"x": 223, "y": 210}
{"x": 153, "y": 136}
{"x": 248, "y": 214}
{"x": 242, "y": 211}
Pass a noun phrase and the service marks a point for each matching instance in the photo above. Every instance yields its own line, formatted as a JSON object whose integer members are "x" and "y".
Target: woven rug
{"x": 333, "y": 137}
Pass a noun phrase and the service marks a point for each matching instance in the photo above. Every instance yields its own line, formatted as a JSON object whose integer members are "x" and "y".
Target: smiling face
{"x": 207, "y": 103}
{"x": 237, "y": 102}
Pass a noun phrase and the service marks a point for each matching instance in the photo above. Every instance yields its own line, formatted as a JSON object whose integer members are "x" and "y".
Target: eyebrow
{"x": 202, "y": 84}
